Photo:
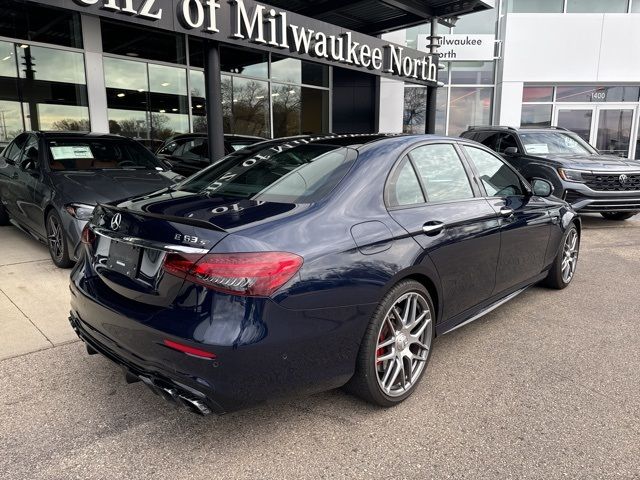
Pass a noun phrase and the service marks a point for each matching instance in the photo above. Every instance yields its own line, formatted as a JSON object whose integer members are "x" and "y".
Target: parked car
{"x": 313, "y": 263}
{"x": 50, "y": 183}
{"x": 589, "y": 181}
{"x": 189, "y": 153}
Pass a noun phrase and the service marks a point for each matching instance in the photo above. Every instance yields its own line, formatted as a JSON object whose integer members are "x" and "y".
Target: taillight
{"x": 256, "y": 274}
{"x": 195, "y": 352}
{"x": 87, "y": 237}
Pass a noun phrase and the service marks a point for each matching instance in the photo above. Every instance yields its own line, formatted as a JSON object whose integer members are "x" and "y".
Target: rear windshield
{"x": 99, "y": 153}
{"x": 542, "y": 143}
{"x": 302, "y": 174}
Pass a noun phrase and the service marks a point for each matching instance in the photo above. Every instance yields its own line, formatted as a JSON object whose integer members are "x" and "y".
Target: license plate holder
{"x": 124, "y": 259}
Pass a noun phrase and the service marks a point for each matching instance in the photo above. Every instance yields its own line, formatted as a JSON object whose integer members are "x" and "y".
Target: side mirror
{"x": 511, "y": 151}
{"x": 541, "y": 187}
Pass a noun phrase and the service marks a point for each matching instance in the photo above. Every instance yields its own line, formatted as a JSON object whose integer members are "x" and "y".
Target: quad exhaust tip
{"x": 174, "y": 395}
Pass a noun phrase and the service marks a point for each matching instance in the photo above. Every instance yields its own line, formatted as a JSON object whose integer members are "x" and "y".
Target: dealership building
{"x": 150, "y": 69}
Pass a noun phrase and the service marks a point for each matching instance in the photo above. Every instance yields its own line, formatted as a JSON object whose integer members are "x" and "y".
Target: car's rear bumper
{"x": 290, "y": 351}
{"x": 590, "y": 201}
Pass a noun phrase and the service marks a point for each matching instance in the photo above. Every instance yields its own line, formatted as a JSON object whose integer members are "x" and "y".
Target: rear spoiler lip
{"x": 171, "y": 218}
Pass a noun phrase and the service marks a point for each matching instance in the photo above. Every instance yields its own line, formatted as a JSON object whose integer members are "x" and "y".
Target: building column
{"x": 432, "y": 92}
{"x": 213, "y": 91}
{"x": 94, "y": 68}
{"x": 509, "y": 104}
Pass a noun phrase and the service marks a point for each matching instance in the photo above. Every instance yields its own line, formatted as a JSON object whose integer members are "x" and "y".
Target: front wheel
{"x": 618, "y": 216}
{"x": 57, "y": 241}
{"x": 396, "y": 346}
{"x": 566, "y": 261}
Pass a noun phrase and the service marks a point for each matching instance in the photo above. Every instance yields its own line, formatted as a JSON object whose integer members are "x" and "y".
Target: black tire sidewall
{"x": 366, "y": 360}
{"x": 555, "y": 279}
{"x": 65, "y": 261}
{"x": 4, "y": 216}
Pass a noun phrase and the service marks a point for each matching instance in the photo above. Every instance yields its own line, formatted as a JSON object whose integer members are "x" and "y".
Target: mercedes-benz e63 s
{"x": 311, "y": 264}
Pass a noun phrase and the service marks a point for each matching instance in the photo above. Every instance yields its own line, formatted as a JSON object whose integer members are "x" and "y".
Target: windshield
{"x": 542, "y": 143}
{"x": 85, "y": 153}
{"x": 302, "y": 174}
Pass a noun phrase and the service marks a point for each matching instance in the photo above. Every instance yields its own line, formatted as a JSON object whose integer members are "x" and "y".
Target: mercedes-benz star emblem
{"x": 623, "y": 179}
{"x": 115, "y": 221}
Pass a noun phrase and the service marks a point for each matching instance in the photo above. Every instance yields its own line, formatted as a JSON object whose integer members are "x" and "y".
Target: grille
{"x": 617, "y": 182}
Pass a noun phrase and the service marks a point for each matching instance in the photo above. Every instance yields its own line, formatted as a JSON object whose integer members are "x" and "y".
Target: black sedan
{"x": 50, "y": 183}
{"x": 188, "y": 153}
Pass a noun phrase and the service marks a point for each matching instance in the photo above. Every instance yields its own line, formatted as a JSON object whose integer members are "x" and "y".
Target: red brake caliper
{"x": 380, "y": 351}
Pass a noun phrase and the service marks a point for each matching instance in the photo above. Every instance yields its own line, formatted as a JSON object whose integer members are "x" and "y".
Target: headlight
{"x": 80, "y": 210}
{"x": 571, "y": 175}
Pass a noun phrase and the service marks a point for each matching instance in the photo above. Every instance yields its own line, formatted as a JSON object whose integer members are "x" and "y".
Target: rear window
{"x": 299, "y": 174}
{"x": 99, "y": 153}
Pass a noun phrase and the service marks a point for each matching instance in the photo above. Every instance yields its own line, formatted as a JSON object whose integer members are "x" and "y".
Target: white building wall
{"x": 565, "y": 48}
{"x": 391, "y": 98}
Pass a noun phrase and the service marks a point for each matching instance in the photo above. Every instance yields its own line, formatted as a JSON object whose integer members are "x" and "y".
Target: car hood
{"x": 227, "y": 213}
{"x": 101, "y": 186}
{"x": 594, "y": 162}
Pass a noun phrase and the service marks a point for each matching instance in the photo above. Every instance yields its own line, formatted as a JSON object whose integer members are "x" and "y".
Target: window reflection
{"x": 480, "y": 22}
{"x": 597, "y": 6}
{"x": 245, "y": 62}
{"x": 125, "y": 74}
{"x": 469, "y": 106}
{"x": 536, "y": 116}
{"x": 164, "y": 79}
{"x": 315, "y": 110}
{"x": 7, "y": 60}
{"x": 415, "y": 110}
{"x": 38, "y": 23}
{"x": 536, "y": 6}
{"x": 10, "y": 120}
{"x": 287, "y": 109}
{"x": 49, "y": 64}
{"x": 250, "y": 107}
{"x": 63, "y": 117}
{"x": 471, "y": 73}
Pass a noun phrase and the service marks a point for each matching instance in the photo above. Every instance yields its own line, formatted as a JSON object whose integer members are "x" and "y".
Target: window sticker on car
{"x": 71, "y": 152}
{"x": 538, "y": 148}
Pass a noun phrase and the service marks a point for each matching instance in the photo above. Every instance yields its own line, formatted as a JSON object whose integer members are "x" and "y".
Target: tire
{"x": 4, "y": 216}
{"x": 618, "y": 216}
{"x": 561, "y": 274}
{"x": 372, "y": 374}
{"x": 57, "y": 241}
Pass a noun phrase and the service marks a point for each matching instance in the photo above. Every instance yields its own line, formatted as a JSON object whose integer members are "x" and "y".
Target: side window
{"x": 506, "y": 140}
{"x": 489, "y": 139}
{"x": 442, "y": 173}
{"x": 404, "y": 187}
{"x": 193, "y": 149}
{"x": 29, "y": 158}
{"x": 14, "y": 150}
{"x": 498, "y": 178}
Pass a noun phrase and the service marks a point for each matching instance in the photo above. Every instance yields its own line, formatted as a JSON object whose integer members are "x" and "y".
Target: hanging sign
{"x": 462, "y": 47}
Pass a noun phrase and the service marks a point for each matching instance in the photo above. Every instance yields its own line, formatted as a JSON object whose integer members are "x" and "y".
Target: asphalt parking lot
{"x": 547, "y": 386}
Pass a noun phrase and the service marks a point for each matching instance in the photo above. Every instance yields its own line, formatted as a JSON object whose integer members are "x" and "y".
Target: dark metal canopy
{"x": 374, "y": 17}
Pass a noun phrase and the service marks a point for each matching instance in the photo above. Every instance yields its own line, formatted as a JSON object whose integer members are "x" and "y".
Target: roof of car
{"x": 227, "y": 136}
{"x": 73, "y": 134}
{"x": 497, "y": 128}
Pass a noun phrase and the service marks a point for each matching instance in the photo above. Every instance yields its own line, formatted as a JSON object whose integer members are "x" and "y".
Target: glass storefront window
{"x": 7, "y": 60}
{"x": 250, "y": 107}
{"x": 52, "y": 65}
{"x": 536, "y": 6}
{"x": 63, "y": 117}
{"x": 10, "y": 120}
{"x": 537, "y": 94}
{"x": 38, "y": 23}
{"x": 171, "y": 80}
{"x": 469, "y": 106}
{"x": 415, "y": 109}
{"x": 144, "y": 43}
{"x": 413, "y": 32}
{"x": 471, "y": 73}
{"x": 481, "y": 22}
{"x": 125, "y": 74}
{"x": 133, "y": 124}
{"x": 635, "y": 8}
{"x": 536, "y": 116}
{"x": 315, "y": 111}
{"x": 244, "y": 62}
{"x": 443, "y": 75}
{"x": 285, "y": 69}
{"x": 597, "y": 6}
{"x": 287, "y": 110}
{"x": 597, "y": 94}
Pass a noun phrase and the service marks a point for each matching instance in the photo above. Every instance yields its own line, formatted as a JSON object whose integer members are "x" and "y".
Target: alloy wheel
{"x": 55, "y": 237}
{"x": 404, "y": 341}
{"x": 570, "y": 256}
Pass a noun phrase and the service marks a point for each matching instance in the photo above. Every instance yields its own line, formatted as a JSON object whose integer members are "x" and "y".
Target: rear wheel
{"x": 57, "y": 241}
{"x": 619, "y": 216}
{"x": 564, "y": 266}
{"x": 396, "y": 347}
{"x": 4, "y": 216}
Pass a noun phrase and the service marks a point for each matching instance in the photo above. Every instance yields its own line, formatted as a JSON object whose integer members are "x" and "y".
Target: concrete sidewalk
{"x": 34, "y": 296}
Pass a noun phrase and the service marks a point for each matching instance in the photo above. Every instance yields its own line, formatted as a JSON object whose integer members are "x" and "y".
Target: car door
{"x": 430, "y": 194}
{"x": 26, "y": 184}
{"x": 10, "y": 175}
{"x": 526, "y": 219}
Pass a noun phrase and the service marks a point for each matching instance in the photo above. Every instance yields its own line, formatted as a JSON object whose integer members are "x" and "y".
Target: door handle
{"x": 432, "y": 229}
{"x": 506, "y": 212}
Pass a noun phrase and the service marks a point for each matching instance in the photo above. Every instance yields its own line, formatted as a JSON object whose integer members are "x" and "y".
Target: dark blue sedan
{"x": 305, "y": 264}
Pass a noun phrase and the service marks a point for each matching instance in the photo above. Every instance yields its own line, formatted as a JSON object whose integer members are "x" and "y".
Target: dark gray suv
{"x": 589, "y": 181}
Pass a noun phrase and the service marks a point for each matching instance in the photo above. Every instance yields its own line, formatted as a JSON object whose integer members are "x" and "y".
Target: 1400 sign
{"x": 269, "y": 28}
